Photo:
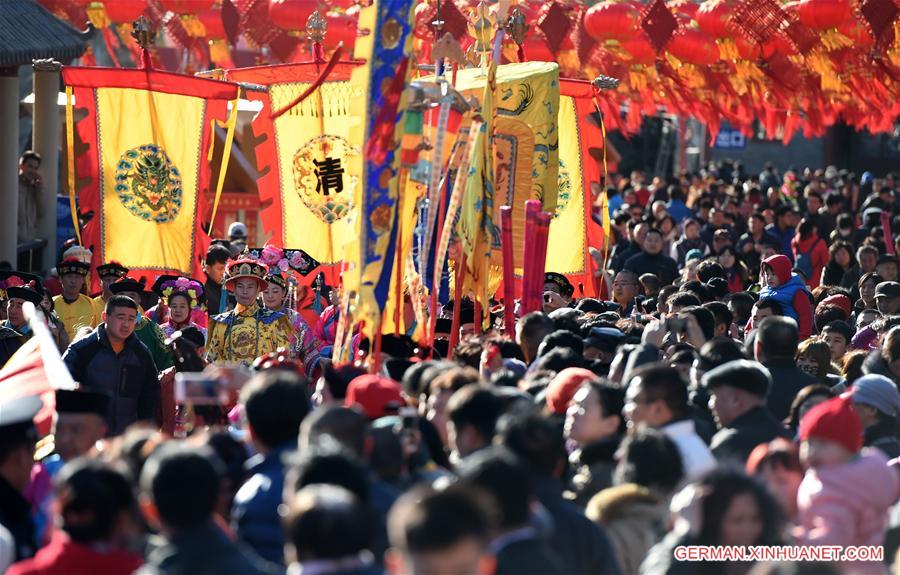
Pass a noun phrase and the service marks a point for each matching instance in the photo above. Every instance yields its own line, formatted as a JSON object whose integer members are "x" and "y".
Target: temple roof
{"x": 29, "y": 32}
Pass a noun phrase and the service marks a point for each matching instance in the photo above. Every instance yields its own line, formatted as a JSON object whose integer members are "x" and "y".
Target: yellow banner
{"x": 565, "y": 246}
{"x": 149, "y": 147}
{"x": 319, "y": 148}
{"x": 525, "y": 142}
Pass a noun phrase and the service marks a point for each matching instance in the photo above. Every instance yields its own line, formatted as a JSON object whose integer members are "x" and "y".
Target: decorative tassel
{"x": 318, "y": 53}
{"x": 828, "y": 77}
{"x": 315, "y": 85}
{"x": 193, "y": 26}
{"x": 637, "y": 80}
{"x": 833, "y": 40}
{"x": 219, "y": 53}
{"x": 728, "y": 49}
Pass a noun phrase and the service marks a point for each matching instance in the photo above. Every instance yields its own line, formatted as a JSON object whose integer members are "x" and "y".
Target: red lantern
{"x": 713, "y": 16}
{"x": 856, "y": 31}
{"x": 536, "y": 48}
{"x": 341, "y": 28}
{"x": 125, "y": 11}
{"x": 640, "y": 50}
{"x": 612, "y": 21}
{"x": 747, "y": 49}
{"x": 212, "y": 23}
{"x": 824, "y": 14}
{"x": 291, "y": 14}
{"x": 694, "y": 47}
{"x": 184, "y": 6}
{"x": 683, "y": 8}
{"x": 783, "y": 45}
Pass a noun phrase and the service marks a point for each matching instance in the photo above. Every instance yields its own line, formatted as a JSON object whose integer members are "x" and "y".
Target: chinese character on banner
{"x": 328, "y": 173}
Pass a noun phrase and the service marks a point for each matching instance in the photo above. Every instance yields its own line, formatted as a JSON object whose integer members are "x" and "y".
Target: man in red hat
{"x": 249, "y": 330}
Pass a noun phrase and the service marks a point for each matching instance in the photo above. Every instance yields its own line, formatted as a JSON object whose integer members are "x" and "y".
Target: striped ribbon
{"x": 226, "y": 156}
{"x": 604, "y": 196}
{"x": 70, "y": 157}
{"x": 453, "y": 206}
{"x": 434, "y": 184}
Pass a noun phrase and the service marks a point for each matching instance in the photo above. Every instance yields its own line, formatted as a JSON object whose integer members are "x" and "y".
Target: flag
{"x": 306, "y": 156}
{"x": 35, "y": 369}
{"x": 385, "y": 45}
{"x": 476, "y": 222}
{"x": 525, "y": 148}
{"x": 572, "y": 229}
{"x": 148, "y": 136}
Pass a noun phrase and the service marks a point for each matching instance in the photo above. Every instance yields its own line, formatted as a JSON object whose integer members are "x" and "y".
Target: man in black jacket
{"x": 738, "y": 400}
{"x": 580, "y": 543}
{"x": 214, "y": 266}
{"x": 651, "y": 260}
{"x": 624, "y": 250}
{"x": 776, "y": 347}
{"x": 518, "y": 545}
{"x": 114, "y": 360}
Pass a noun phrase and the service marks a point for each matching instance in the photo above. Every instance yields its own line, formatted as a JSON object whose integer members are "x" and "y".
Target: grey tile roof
{"x": 28, "y": 32}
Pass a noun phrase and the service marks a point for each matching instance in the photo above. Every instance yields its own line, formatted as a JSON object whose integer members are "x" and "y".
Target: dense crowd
{"x": 736, "y": 386}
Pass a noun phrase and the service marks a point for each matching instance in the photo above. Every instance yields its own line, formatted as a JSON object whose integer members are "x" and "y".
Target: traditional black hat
{"x": 397, "y": 346}
{"x": 189, "y": 334}
{"x": 112, "y": 268}
{"x": 16, "y": 419}
{"x": 394, "y": 368}
{"x": 72, "y": 266}
{"x": 278, "y": 279}
{"x": 443, "y": 325}
{"x": 128, "y": 284}
{"x": 32, "y": 291}
{"x": 565, "y": 286}
{"x": 12, "y": 278}
{"x": 166, "y": 286}
{"x": 246, "y": 267}
{"x": 82, "y": 401}
{"x": 591, "y": 305}
{"x": 466, "y": 314}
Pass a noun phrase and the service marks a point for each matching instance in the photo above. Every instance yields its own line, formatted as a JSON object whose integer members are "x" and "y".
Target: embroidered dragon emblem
{"x": 148, "y": 184}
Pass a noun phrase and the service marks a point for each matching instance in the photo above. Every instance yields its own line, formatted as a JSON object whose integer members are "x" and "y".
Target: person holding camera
{"x": 188, "y": 349}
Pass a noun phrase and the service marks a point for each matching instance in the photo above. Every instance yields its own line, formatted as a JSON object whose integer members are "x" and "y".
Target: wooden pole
{"x": 509, "y": 271}
{"x": 459, "y": 278}
{"x": 532, "y": 209}
{"x": 542, "y": 233}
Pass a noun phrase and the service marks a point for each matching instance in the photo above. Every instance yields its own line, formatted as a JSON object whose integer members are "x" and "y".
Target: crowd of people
{"x": 736, "y": 386}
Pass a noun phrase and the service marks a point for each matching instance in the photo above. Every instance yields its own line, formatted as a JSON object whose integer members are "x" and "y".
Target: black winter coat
{"x": 130, "y": 377}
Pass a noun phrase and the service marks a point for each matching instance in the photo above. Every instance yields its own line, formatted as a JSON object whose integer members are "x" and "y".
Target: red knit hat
{"x": 563, "y": 387}
{"x": 835, "y": 420}
{"x": 378, "y": 396}
{"x": 837, "y": 300}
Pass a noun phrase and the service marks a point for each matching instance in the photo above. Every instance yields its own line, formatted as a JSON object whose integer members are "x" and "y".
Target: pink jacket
{"x": 848, "y": 504}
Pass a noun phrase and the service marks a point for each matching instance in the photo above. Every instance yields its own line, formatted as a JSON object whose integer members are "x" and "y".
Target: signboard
{"x": 730, "y": 139}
